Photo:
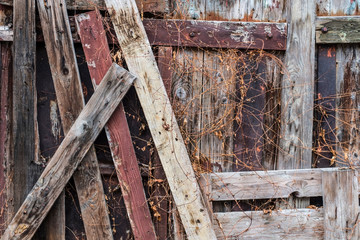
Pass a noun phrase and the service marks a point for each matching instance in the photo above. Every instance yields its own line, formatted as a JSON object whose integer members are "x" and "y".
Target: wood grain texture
{"x": 5, "y": 81}
{"x": 97, "y": 53}
{"x": 341, "y": 204}
{"x": 70, "y": 153}
{"x": 161, "y": 120}
{"x": 338, "y": 29}
{"x": 65, "y": 74}
{"x": 285, "y": 224}
{"x": 297, "y": 100}
{"x": 24, "y": 166}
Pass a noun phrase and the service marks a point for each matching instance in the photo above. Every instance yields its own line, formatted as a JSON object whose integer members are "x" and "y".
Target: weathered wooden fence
{"x": 258, "y": 89}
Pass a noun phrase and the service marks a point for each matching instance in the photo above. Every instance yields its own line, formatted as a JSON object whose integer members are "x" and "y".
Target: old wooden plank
{"x": 24, "y": 166}
{"x": 347, "y": 105}
{"x": 325, "y": 148}
{"x": 161, "y": 120}
{"x": 341, "y": 204}
{"x": 295, "y": 143}
{"x": 157, "y": 6}
{"x": 97, "y": 53}
{"x": 265, "y": 184}
{"x": 65, "y": 74}
{"x": 337, "y": 8}
{"x": 5, "y": 82}
{"x": 285, "y": 224}
{"x": 72, "y": 150}
{"x": 338, "y": 29}
{"x": 216, "y": 34}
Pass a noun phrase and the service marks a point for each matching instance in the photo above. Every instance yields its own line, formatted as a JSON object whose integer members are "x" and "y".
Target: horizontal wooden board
{"x": 216, "y": 34}
{"x": 207, "y": 34}
{"x": 338, "y": 29}
{"x": 266, "y": 184}
{"x": 286, "y": 224}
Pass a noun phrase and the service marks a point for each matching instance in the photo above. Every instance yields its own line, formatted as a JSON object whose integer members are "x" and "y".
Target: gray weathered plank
{"x": 161, "y": 120}
{"x": 285, "y": 224}
{"x": 70, "y": 153}
{"x": 341, "y": 204}
{"x": 295, "y": 143}
{"x": 66, "y": 78}
{"x": 338, "y": 29}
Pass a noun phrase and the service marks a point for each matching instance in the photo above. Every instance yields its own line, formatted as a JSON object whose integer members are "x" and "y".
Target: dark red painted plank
{"x": 248, "y": 127}
{"x": 97, "y": 53}
{"x": 216, "y": 34}
{"x": 5, "y": 50}
{"x": 325, "y": 107}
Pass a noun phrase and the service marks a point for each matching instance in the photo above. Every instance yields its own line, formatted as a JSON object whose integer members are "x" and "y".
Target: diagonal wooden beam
{"x": 97, "y": 53}
{"x": 67, "y": 83}
{"x": 72, "y": 150}
{"x": 161, "y": 119}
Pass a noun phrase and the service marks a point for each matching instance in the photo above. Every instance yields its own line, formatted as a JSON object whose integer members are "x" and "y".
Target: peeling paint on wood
{"x": 338, "y": 29}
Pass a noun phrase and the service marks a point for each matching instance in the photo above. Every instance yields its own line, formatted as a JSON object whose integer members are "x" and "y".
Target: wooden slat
{"x": 341, "y": 204}
{"x": 5, "y": 81}
{"x": 338, "y": 29}
{"x": 285, "y": 224}
{"x": 24, "y": 166}
{"x": 65, "y": 74}
{"x": 297, "y": 100}
{"x": 216, "y": 34}
{"x": 161, "y": 120}
{"x": 97, "y": 53}
{"x": 265, "y": 184}
{"x": 72, "y": 150}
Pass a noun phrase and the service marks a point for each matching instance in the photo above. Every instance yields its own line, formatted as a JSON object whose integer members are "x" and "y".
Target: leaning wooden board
{"x": 67, "y": 83}
{"x": 98, "y": 57}
{"x": 72, "y": 150}
{"x": 161, "y": 120}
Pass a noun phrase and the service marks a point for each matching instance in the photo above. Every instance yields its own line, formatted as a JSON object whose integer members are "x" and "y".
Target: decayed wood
{"x": 161, "y": 120}
{"x": 65, "y": 74}
{"x": 218, "y": 34}
{"x": 295, "y": 144}
{"x": 285, "y": 224}
{"x": 23, "y": 164}
{"x": 5, "y": 81}
{"x": 70, "y": 153}
{"x": 265, "y": 184}
{"x": 97, "y": 53}
{"x": 341, "y": 204}
{"x": 338, "y": 29}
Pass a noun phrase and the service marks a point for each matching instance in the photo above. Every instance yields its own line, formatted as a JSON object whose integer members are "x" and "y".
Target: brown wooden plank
{"x": 284, "y": 224}
{"x": 97, "y": 53}
{"x": 325, "y": 107}
{"x": 216, "y": 34}
{"x": 65, "y": 74}
{"x": 338, "y": 29}
{"x": 297, "y": 100}
{"x": 161, "y": 119}
{"x": 5, "y": 81}
{"x": 72, "y": 150}
{"x": 341, "y": 204}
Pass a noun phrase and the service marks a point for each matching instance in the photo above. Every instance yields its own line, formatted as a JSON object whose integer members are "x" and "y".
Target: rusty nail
{"x": 192, "y": 34}
{"x": 269, "y": 35}
{"x": 324, "y": 30}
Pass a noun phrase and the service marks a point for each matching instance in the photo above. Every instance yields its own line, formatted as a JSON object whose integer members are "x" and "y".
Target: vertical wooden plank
{"x": 65, "y": 74}
{"x": 295, "y": 144}
{"x": 5, "y": 82}
{"x": 325, "y": 107}
{"x": 160, "y": 117}
{"x": 24, "y": 165}
{"x": 97, "y": 53}
{"x": 341, "y": 204}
